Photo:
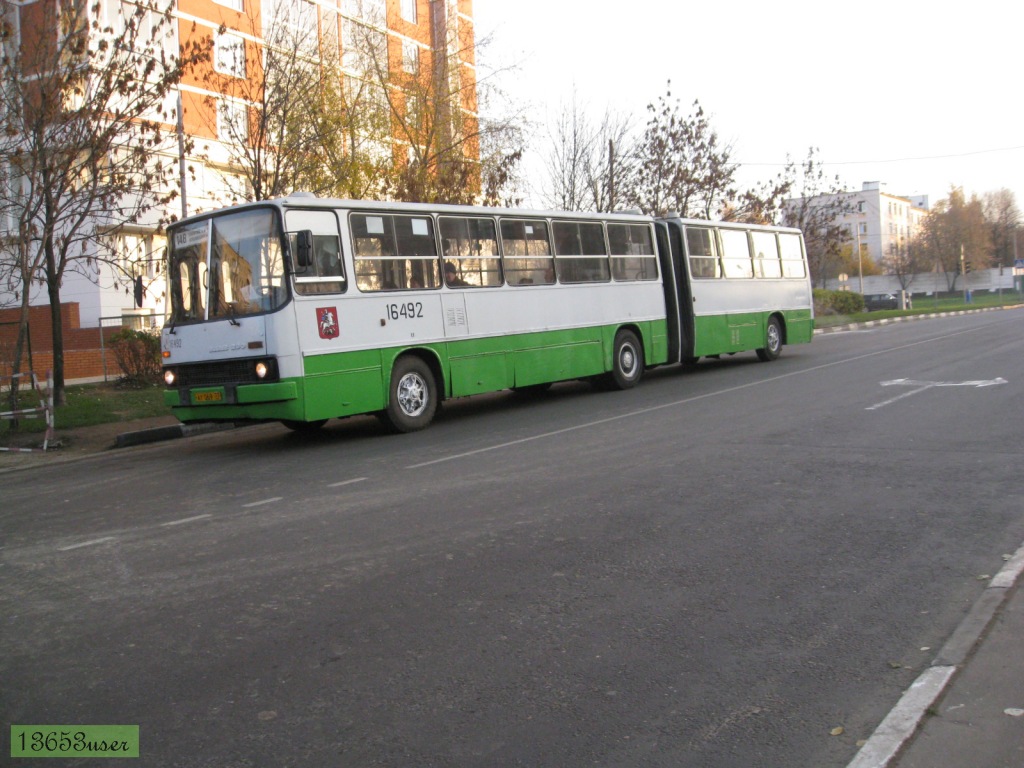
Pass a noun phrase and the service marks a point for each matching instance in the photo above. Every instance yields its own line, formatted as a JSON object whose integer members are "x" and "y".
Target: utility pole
{"x": 963, "y": 271}
{"x": 611, "y": 175}
{"x": 181, "y": 156}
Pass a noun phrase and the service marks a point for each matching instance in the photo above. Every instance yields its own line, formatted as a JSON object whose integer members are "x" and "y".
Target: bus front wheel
{"x": 412, "y": 399}
{"x": 627, "y": 361}
{"x": 772, "y": 342}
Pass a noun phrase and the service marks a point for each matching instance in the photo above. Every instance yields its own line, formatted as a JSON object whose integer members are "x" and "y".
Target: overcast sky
{"x": 918, "y": 95}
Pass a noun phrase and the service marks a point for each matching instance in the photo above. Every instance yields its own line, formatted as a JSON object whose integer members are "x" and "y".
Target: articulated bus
{"x": 302, "y": 309}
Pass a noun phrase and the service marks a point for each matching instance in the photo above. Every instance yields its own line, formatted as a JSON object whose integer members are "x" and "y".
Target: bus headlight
{"x": 261, "y": 370}
{"x": 169, "y": 377}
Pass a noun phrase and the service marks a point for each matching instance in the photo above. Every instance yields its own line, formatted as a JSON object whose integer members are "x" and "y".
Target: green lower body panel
{"x": 232, "y": 403}
{"x": 722, "y": 334}
{"x": 348, "y": 383}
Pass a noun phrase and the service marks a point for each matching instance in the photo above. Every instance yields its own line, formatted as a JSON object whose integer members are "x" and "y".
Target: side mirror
{"x": 303, "y": 250}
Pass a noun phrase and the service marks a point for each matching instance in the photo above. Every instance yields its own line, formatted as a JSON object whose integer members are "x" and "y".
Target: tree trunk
{"x": 53, "y": 292}
{"x": 19, "y": 350}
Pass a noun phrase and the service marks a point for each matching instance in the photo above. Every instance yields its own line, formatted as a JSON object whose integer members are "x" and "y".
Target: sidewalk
{"x": 81, "y": 442}
{"x": 967, "y": 709}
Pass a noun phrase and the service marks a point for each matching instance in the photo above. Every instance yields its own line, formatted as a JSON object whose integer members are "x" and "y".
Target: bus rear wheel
{"x": 772, "y": 342}
{"x": 627, "y": 361}
{"x": 412, "y": 399}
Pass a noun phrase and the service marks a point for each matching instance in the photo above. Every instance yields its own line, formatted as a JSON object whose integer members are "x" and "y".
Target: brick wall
{"x": 83, "y": 355}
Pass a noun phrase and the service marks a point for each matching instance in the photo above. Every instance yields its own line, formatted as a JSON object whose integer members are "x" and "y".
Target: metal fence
{"x": 43, "y": 410}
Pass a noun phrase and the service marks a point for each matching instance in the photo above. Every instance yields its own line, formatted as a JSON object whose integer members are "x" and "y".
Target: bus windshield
{"x": 227, "y": 266}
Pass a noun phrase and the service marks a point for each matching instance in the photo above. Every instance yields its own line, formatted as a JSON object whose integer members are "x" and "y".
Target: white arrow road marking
{"x": 912, "y": 383}
{"x": 921, "y": 386}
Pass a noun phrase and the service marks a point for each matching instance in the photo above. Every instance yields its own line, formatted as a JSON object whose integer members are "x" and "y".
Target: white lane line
{"x": 347, "y": 482}
{"x": 184, "y": 520}
{"x": 686, "y": 401}
{"x": 90, "y": 543}
{"x": 261, "y": 503}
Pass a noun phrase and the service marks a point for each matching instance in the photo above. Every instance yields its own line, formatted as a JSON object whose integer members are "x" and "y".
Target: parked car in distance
{"x": 876, "y": 301}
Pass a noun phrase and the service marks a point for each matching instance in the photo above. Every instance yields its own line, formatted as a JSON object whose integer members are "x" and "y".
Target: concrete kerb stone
{"x": 172, "y": 432}
{"x": 907, "y": 318}
{"x": 902, "y": 722}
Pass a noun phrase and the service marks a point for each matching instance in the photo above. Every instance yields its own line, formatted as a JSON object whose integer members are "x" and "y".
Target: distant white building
{"x": 881, "y": 224}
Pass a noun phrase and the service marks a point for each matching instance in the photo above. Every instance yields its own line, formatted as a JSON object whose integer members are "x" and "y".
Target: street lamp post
{"x": 860, "y": 263}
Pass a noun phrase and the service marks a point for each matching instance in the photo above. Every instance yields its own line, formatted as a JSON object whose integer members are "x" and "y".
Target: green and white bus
{"x": 304, "y": 309}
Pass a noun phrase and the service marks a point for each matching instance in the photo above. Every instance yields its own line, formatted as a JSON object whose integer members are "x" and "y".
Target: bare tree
{"x": 266, "y": 110}
{"x": 681, "y": 165}
{"x": 906, "y": 260}
{"x": 817, "y": 211}
{"x": 403, "y": 121}
{"x": 571, "y": 144}
{"x": 763, "y": 203}
{"x": 84, "y": 105}
{"x": 587, "y": 162}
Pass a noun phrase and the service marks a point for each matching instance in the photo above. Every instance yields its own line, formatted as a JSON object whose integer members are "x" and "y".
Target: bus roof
{"x": 309, "y": 200}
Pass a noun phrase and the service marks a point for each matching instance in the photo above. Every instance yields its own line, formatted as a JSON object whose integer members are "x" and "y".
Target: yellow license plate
{"x": 208, "y": 397}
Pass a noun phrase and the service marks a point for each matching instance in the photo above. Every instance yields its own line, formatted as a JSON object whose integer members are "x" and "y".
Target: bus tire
{"x": 412, "y": 397}
{"x": 307, "y": 427}
{"x": 627, "y": 361}
{"x": 772, "y": 341}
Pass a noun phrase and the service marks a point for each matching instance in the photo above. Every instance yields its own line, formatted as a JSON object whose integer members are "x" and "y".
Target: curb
{"x": 900, "y": 725}
{"x": 907, "y": 318}
{"x": 173, "y": 432}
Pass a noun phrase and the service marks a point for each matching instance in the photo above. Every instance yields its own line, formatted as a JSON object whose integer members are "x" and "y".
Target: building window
{"x": 409, "y": 11}
{"x": 410, "y": 57}
{"x": 232, "y": 121}
{"x": 372, "y": 11}
{"x": 363, "y": 48}
{"x": 237, "y": 5}
{"x": 229, "y": 55}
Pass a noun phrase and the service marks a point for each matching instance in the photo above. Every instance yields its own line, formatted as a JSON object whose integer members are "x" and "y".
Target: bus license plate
{"x": 208, "y": 397}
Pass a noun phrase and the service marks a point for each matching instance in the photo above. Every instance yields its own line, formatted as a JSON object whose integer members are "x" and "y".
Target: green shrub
{"x": 138, "y": 356}
{"x": 837, "y": 302}
{"x": 847, "y": 302}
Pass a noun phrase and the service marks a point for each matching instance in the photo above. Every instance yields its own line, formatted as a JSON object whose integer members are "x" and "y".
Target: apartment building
{"x": 216, "y": 101}
{"x": 880, "y": 224}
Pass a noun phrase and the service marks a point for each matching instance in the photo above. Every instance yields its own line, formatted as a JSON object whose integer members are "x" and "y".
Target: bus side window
{"x": 580, "y": 252}
{"x": 703, "y": 252}
{"x": 526, "y": 252}
{"x": 471, "y": 246}
{"x": 736, "y": 253}
{"x": 766, "y": 254}
{"x": 316, "y": 251}
{"x": 793, "y": 264}
{"x": 394, "y": 252}
{"x": 632, "y": 251}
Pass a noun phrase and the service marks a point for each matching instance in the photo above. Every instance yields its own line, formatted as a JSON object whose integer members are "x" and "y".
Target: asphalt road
{"x": 721, "y": 567}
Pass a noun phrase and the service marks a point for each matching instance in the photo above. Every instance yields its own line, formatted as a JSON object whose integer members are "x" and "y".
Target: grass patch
{"x": 89, "y": 404}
